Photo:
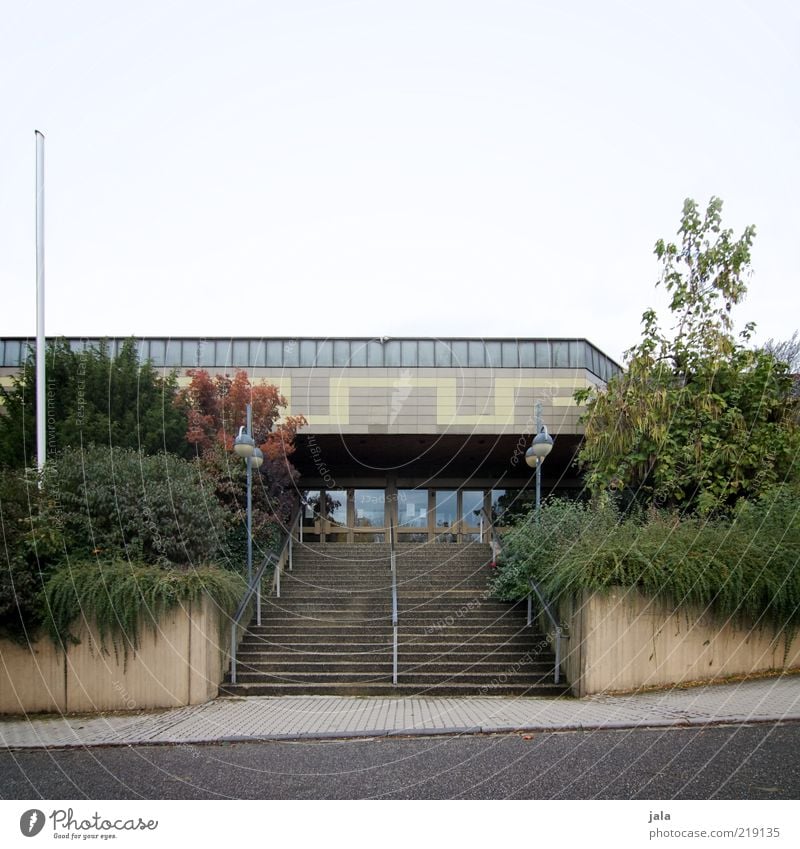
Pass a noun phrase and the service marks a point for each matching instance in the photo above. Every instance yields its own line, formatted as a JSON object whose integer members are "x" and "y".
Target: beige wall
{"x": 624, "y": 640}
{"x": 428, "y": 400}
{"x": 180, "y": 662}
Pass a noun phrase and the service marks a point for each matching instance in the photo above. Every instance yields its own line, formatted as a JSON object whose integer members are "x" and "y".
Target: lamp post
{"x": 542, "y": 445}
{"x": 245, "y": 446}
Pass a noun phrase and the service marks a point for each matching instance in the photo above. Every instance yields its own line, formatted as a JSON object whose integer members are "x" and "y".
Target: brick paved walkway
{"x": 304, "y": 717}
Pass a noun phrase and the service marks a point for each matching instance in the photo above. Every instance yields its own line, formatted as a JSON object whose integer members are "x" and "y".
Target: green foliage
{"x": 120, "y": 504}
{"x": 746, "y": 567}
{"x": 93, "y": 399}
{"x": 31, "y": 545}
{"x": 698, "y": 420}
{"x": 121, "y": 598}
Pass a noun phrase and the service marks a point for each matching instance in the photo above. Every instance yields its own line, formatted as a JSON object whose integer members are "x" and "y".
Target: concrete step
{"x": 400, "y": 690}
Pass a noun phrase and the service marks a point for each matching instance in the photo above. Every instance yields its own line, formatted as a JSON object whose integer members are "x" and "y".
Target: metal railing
{"x": 393, "y": 567}
{"x": 558, "y": 630}
{"x": 278, "y": 559}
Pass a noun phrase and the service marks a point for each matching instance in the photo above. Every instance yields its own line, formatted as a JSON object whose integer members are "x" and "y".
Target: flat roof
{"x": 183, "y": 352}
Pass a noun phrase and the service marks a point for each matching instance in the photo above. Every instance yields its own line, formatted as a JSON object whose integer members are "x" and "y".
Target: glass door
{"x": 446, "y": 515}
{"x": 471, "y": 507}
{"x": 369, "y": 515}
{"x": 412, "y": 515}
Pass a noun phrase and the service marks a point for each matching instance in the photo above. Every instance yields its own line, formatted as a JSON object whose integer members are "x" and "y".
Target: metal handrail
{"x": 255, "y": 584}
{"x": 558, "y": 629}
{"x": 393, "y": 567}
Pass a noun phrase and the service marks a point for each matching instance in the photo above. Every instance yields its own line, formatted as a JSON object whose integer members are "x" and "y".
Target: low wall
{"x": 181, "y": 661}
{"x": 624, "y": 640}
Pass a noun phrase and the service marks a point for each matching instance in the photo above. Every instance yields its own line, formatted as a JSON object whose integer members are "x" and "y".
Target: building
{"x": 429, "y": 433}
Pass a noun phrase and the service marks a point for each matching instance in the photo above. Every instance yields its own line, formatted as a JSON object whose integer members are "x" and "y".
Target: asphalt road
{"x": 733, "y": 762}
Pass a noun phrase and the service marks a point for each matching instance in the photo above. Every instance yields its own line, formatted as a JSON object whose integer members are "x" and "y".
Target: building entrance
{"x": 363, "y": 515}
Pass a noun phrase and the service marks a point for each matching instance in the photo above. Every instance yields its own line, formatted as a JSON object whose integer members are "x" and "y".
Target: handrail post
{"x": 233, "y": 652}
{"x": 557, "y": 676}
{"x": 530, "y": 617}
{"x": 393, "y": 569}
{"x": 258, "y": 603}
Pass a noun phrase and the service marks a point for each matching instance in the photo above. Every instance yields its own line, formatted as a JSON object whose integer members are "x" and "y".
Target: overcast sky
{"x": 431, "y": 168}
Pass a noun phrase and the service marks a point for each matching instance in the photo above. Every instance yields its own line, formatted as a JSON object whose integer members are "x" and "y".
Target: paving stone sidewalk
{"x": 315, "y": 717}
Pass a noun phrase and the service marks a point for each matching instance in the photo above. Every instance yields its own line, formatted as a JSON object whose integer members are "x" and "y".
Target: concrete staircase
{"x": 330, "y": 631}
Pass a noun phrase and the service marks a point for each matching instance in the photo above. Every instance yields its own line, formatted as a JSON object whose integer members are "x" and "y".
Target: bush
{"x": 120, "y": 504}
{"x": 746, "y": 568}
{"x": 120, "y": 597}
{"x": 32, "y": 544}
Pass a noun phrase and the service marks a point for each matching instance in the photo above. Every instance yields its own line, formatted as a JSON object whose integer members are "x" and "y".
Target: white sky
{"x": 390, "y": 168}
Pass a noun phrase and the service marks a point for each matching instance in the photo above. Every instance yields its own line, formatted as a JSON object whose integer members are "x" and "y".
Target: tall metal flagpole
{"x": 41, "y": 402}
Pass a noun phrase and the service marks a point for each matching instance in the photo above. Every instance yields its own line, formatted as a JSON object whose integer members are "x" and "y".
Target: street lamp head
{"x": 257, "y": 459}
{"x": 244, "y": 445}
{"x": 542, "y": 445}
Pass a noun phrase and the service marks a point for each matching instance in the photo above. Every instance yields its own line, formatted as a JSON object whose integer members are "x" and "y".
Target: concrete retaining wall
{"x": 623, "y": 640}
{"x": 179, "y": 662}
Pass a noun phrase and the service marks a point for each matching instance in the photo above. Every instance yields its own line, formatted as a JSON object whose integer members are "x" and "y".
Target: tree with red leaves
{"x": 216, "y": 408}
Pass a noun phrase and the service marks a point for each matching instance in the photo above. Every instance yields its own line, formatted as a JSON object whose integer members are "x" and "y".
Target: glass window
{"x": 542, "y": 354}
{"x": 493, "y": 357}
{"x": 358, "y": 354}
{"x": 391, "y": 353}
{"x": 240, "y": 356}
{"x": 576, "y": 357}
{"x": 426, "y": 359}
{"x": 157, "y": 352}
{"x": 189, "y": 353}
{"x": 258, "y": 353}
{"x": 310, "y": 506}
{"x": 412, "y": 508}
{"x": 471, "y": 506}
{"x": 510, "y": 355}
{"x": 460, "y": 357}
{"x": 408, "y": 353}
{"x": 375, "y": 354}
{"x": 225, "y": 353}
{"x": 324, "y": 353}
{"x": 443, "y": 355}
{"x": 291, "y": 353}
{"x": 77, "y": 345}
{"x": 270, "y": 353}
{"x": 526, "y": 355}
{"x": 341, "y": 352}
{"x": 446, "y": 503}
{"x": 369, "y": 508}
{"x": 206, "y": 356}
{"x": 560, "y": 354}
{"x": 308, "y": 353}
{"x": 11, "y": 355}
{"x": 336, "y": 506}
{"x": 499, "y": 504}
{"x": 476, "y": 354}
{"x": 173, "y": 355}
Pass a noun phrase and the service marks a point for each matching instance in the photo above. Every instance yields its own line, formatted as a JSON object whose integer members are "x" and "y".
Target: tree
{"x": 215, "y": 410}
{"x": 698, "y": 419}
{"x": 92, "y": 399}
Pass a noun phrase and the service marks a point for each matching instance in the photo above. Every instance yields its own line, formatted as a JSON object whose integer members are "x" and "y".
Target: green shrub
{"x": 122, "y": 597}
{"x": 745, "y": 568}
{"x": 120, "y": 504}
{"x": 32, "y": 545}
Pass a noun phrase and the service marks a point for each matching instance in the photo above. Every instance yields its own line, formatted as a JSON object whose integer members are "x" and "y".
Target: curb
{"x": 386, "y": 733}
